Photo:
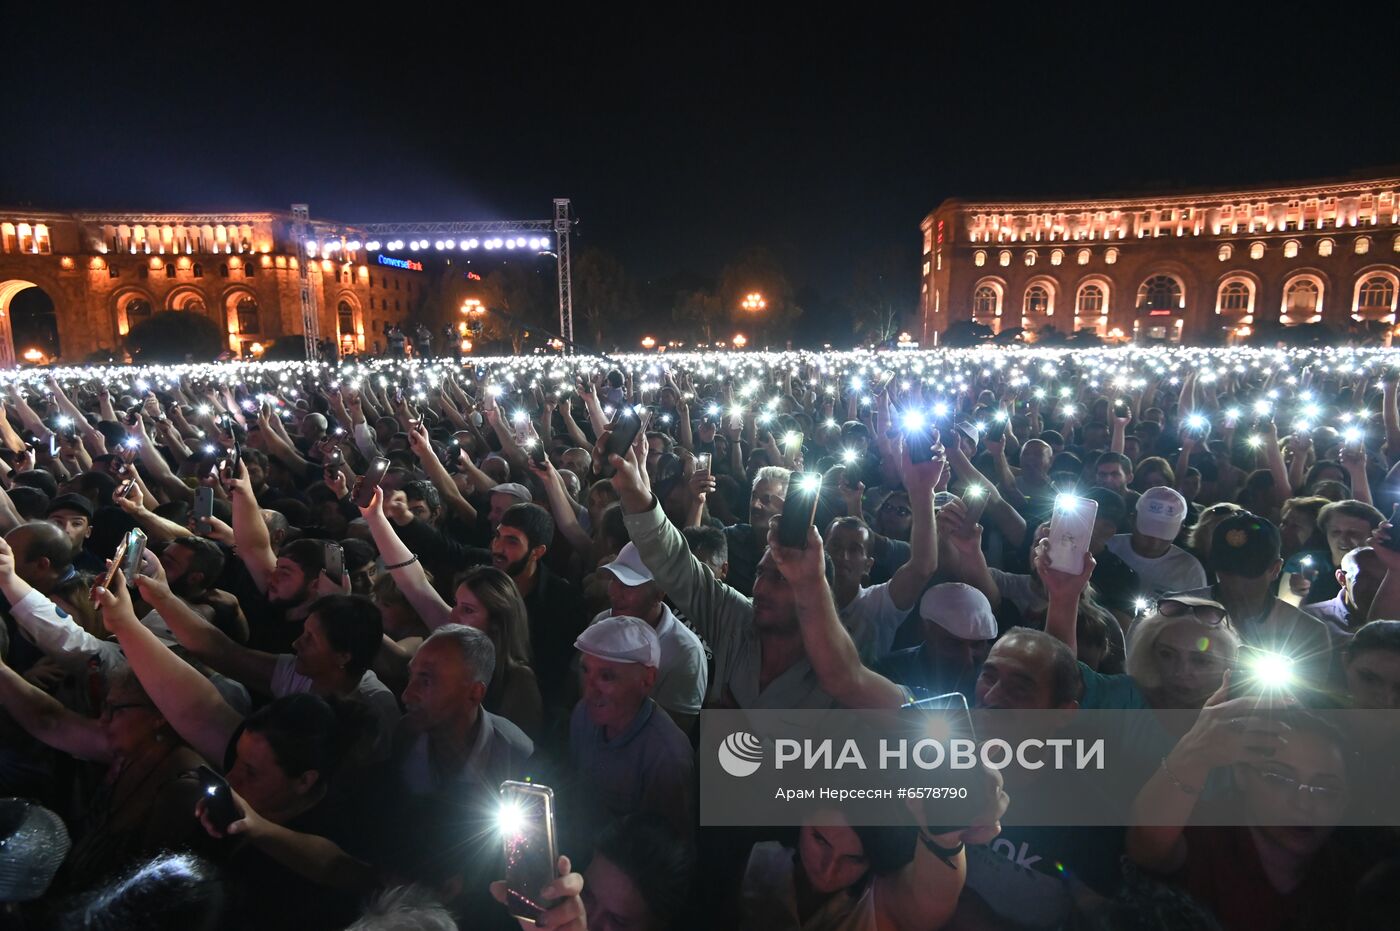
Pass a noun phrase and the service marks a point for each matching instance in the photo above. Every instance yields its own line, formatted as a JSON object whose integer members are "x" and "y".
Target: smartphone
{"x": 702, "y": 462}
{"x": 1120, "y": 408}
{"x": 1394, "y": 542}
{"x": 920, "y": 444}
{"x": 203, "y": 509}
{"x": 364, "y": 488}
{"x": 118, "y": 558}
{"x": 235, "y": 459}
{"x": 623, "y": 433}
{"x": 799, "y": 508}
{"x": 1071, "y": 527}
{"x": 219, "y": 805}
{"x": 124, "y": 489}
{"x": 53, "y": 445}
{"x": 537, "y": 453}
{"x": 526, "y": 823}
{"x": 947, "y": 717}
{"x": 135, "y": 549}
{"x": 996, "y": 430}
{"x": 334, "y": 562}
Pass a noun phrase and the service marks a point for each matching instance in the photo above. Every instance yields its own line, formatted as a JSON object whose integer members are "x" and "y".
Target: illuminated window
{"x": 41, "y": 239}
{"x": 979, "y": 258}
{"x": 1324, "y": 247}
{"x": 1083, "y": 256}
{"x": 1111, "y": 256}
{"x": 1363, "y": 245}
{"x": 927, "y": 269}
{"x": 1057, "y": 257}
{"x": 1256, "y": 250}
{"x": 1376, "y": 293}
{"x": 1037, "y": 301}
{"x": 1160, "y": 293}
{"x": 1236, "y": 296}
{"x": 248, "y": 321}
{"x": 1225, "y": 252}
{"x": 346, "y": 318}
{"x": 1290, "y": 249}
{"x": 986, "y": 302}
{"x": 1090, "y": 302}
{"x": 8, "y": 240}
{"x": 1004, "y": 258}
{"x": 1302, "y": 297}
{"x": 1030, "y": 256}
{"x": 1395, "y": 244}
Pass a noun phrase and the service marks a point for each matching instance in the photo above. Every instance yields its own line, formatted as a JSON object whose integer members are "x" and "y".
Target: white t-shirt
{"x": 375, "y": 694}
{"x": 683, "y": 676}
{"x": 872, "y": 619}
{"x": 1175, "y": 571}
{"x": 1019, "y": 590}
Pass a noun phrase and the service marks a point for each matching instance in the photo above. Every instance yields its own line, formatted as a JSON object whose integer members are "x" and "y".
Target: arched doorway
{"x": 28, "y": 324}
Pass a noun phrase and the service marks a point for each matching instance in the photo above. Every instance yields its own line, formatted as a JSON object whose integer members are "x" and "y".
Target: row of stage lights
{"x": 535, "y": 243}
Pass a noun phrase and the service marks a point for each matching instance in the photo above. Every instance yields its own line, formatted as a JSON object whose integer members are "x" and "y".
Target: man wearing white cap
{"x": 958, "y": 628}
{"x": 1149, "y": 551}
{"x": 626, "y": 755}
{"x": 681, "y": 673}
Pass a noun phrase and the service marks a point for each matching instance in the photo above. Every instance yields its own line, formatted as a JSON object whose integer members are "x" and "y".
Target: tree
{"x": 702, "y": 309}
{"x": 525, "y": 296}
{"x": 603, "y": 294}
{"x": 174, "y": 336}
{"x": 965, "y": 333}
{"x": 884, "y": 297}
{"x": 758, "y": 270}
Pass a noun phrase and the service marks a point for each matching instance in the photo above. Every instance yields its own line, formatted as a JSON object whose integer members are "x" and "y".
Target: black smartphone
{"x": 1120, "y": 408}
{"x": 235, "y": 459}
{"x": 364, "y": 488}
{"x": 526, "y": 823}
{"x": 219, "y": 805}
{"x": 799, "y": 508}
{"x": 919, "y": 443}
{"x": 537, "y": 452}
{"x": 948, "y": 716}
{"x": 203, "y": 509}
{"x": 334, "y": 562}
{"x": 623, "y": 433}
{"x": 996, "y": 430}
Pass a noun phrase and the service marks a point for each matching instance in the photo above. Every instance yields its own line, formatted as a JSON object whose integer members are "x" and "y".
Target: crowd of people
{"x": 366, "y": 664}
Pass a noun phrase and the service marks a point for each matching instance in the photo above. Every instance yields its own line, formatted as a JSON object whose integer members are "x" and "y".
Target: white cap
{"x": 629, "y": 568}
{"x": 959, "y": 609}
{"x": 621, "y": 640}
{"x": 1160, "y": 512}
{"x": 515, "y": 490}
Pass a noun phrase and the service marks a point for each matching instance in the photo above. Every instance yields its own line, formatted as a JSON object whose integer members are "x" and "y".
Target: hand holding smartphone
{"x": 799, "y": 508}
{"x": 367, "y": 483}
{"x": 219, "y": 806}
{"x": 526, "y": 823}
{"x": 1071, "y": 529}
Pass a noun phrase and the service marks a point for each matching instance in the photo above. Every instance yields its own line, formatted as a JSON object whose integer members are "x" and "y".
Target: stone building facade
{"x": 1181, "y": 268}
{"x": 104, "y": 273}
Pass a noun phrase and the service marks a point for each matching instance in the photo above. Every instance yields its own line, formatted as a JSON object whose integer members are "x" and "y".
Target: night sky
{"x": 682, "y": 143}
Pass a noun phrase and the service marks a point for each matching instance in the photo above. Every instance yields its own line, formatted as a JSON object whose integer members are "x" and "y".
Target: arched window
{"x": 1324, "y": 247}
{"x": 1111, "y": 256}
{"x": 1302, "y": 298}
{"x": 1376, "y": 293}
{"x": 1004, "y": 257}
{"x": 1363, "y": 245}
{"x": 1256, "y": 250}
{"x": 1030, "y": 256}
{"x": 1236, "y": 297}
{"x": 1083, "y": 257}
{"x": 1225, "y": 252}
{"x": 223, "y": 270}
{"x": 248, "y": 321}
{"x": 1057, "y": 257}
{"x": 1290, "y": 249}
{"x": 1037, "y": 301}
{"x": 1090, "y": 302}
{"x": 986, "y": 302}
{"x": 197, "y": 270}
{"x": 1160, "y": 293}
{"x": 979, "y": 258}
{"x": 195, "y": 305}
{"x": 137, "y": 309}
{"x": 345, "y": 315}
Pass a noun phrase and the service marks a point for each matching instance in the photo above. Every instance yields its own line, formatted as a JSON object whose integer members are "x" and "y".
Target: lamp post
{"x": 753, "y": 302}
{"x": 648, "y": 342}
{"x": 740, "y": 340}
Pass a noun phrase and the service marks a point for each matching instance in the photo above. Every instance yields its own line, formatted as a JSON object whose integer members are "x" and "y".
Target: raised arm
{"x": 437, "y": 474}
{"x": 185, "y": 698}
{"x": 920, "y": 479}
{"x": 45, "y": 718}
{"x": 404, "y": 566}
{"x": 1063, "y": 592}
{"x": 205, "y": 641}
{"x": 561, "y": 506}
{"x": 250, "y": 534}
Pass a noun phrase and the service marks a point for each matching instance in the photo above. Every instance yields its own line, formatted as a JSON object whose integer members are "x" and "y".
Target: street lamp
{"x": 648, "y": 342}
{"x": 754, "y": 302}
{"x": 740, "y": 340}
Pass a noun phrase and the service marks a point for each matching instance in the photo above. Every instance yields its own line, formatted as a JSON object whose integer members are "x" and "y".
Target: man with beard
{"x": 958, "y": 629}
{"x": 552, "y": 605}
{"x": 191, "y": 565}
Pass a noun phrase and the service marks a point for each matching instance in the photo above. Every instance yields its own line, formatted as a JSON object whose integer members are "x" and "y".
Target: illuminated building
{"x": 105, "y": 272}
{"x": 1184, "y": 267}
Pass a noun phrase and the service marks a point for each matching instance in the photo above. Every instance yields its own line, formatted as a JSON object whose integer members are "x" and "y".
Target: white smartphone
{"x": 1071, "y": 529}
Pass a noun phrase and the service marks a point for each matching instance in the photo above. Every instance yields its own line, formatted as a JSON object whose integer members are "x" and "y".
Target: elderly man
{"x": 747, "y": 541}
{"x": 958, "y": 628}
{"x": 626, "y": 756}
{"x": 681, "y": 673}
{"x": 1149, "y": 551}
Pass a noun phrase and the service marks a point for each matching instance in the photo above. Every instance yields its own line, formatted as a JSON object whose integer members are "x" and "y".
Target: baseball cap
{"x": 71, "y": 502}
{"x": 629, "y": 568}
{"x": 1160, "y": 512}
{"x": 960, "y": 609}
{"x": 515, "y": 490}
{"x": 1112, "y": 507}
{"x": 969, "y": 429}
{"x": 1244, "y": 544}
{"x": 621, "y": 639}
